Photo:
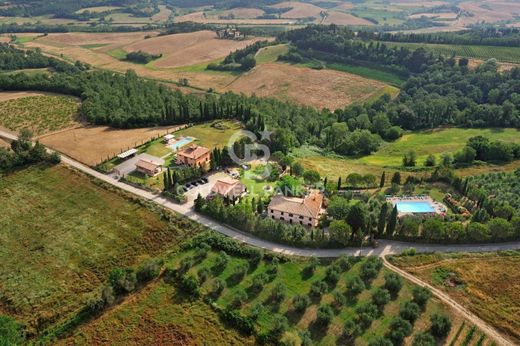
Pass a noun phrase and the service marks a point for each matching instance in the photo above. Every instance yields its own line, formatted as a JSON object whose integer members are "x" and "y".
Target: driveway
{"x": 205, "y": 189}
{"x": 127, "y": 167}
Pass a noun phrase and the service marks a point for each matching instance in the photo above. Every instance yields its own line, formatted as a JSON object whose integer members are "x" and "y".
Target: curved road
{"x": 386, "y": 247}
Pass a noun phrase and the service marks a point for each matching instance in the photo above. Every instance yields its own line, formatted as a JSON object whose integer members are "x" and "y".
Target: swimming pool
{"x": 414, "y": 207}
{"x": 180, "y": 143}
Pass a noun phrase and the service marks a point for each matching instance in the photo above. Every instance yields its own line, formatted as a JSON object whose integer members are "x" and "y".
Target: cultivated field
{"x": 187, "y": 49}
{"x": 40, "y": 114}
{"x": 317, "y": 88}
{"x": 201, "y": 17}
{"x": 299, "y": 9}
{"x": 487, "y": 284}
{"x": 92, "y": 145}
{"x": 62, "y": 234}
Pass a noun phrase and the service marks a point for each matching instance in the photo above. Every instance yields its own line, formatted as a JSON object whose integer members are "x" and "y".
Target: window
{"x": 290, "y": 221}
{"x": 301, "y": 222}
{"x": 301, "y": 217}
{"x": 291, "y": 215}
{"x": 272, "y": 217}
{"x": 310, "y": 225}
{"x": 310, "y": 219}
{"x": 281, "y": 213}
{"x": 282, "y": 219}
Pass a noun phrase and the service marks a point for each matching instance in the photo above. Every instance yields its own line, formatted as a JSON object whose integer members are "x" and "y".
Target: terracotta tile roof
{"x": 147, "y": 165}
{"x": 309, "y": 206}
{"x": 193, "y": 152}
{"x": 228, "y": 187}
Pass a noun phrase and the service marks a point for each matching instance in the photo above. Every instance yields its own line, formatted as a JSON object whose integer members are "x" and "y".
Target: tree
{"x": 392, "y": 222}
{"x": 324, "y": 315}
{"x": 466, "y": 156}
{"x": 500, "y": 229}
{"x": 339, "y": 183}
{"x": 396, "y": 178}
{"x": 446, "y": 159}
{"x": 301, "y": 302}
{"x": 410, "y": 159}
{"x": 393, "y": 283}
{"x": 289, "y": 186}
{"x": 339, "y": 208}
{"x": 440, "y": 325}
{"x": 399, "y": 329}
{"x": 380, "y": 297}
{"x": 430, "y": 161}
{"x": 357, "y": 216}
{"x": 190, "y": 285}
{"x": 311, "y": 176}
{"x": 410, "y": 311}
{"x": 355, "y": 286}
{"x": 340, "y": 232}
{"x": 318, "y": 288}
{"x": 239, "y": 298}
{"x": 424, "y": 339}
{"x": 383, "y": 180}
{"x": 421, "y": 295}
{"x": 278, "y": 293}
{"x": 297, "y": 169}
{"x": 381, "y": 223}
{"x": 351, "y": 329}
{"x": 380, "y": 341}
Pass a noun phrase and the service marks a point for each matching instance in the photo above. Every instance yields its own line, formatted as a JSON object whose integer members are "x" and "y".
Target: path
{"x": 386, "y": 247}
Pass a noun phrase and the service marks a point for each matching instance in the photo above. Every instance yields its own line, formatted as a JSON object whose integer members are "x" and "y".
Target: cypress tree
{"x": 167, "y": 180}
{"x": 383, "y": 179}
{"x": 382, "y": 219}
{"x": 339, "y": 183}
{"x": 253, "y": 204}
{"x": 392, "y": 222}
{"x": 260, "y": 206}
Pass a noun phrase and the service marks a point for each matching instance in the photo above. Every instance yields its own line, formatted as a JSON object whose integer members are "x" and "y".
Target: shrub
{"x": 301, "y": 302}
{"x": 122, "y": 280}
{"x": 421, "y": 295}
{"x": 393, "y": 283}
{"x": 190, "y": 285}
{"x": 380, "y": 297}
{"x": 410, "y": 311}
{"x": 280, "y": 325}
{"x": 311, "y": 267}
{"x": 239, "y": 298}
{"x": 185, "y": 265}
{"x": 344, "y": 263}
{"x": 324, "y": 315}
{"x": 355, "y": 286}
{"x": 221, "y": 261}
{"x": 423, "y": 339}
{"x": 440, "y": 325}
{"x": 202, "y": 251}
{"x": 370, "y": 269}
{"x": 259, "y": 280}
{"x": 318, "y": 288}
{"x": 380, "y": 341}
{"x": 240, "y": 271}
{"x": 149, "y": 270}
{"x": 399, "y": 329}
{"x": 11, "y": 332}
{"x": 339, "y": 299}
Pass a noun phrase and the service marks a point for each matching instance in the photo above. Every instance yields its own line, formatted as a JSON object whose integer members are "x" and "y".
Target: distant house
{"x": 148, "y": 167}
{"x": 229, "y": 188}
{"x": 194, "y": 156}
{"x": 168, "y": 138}
{"x": 229, "y": 33}
{"x": 302, "y": 211}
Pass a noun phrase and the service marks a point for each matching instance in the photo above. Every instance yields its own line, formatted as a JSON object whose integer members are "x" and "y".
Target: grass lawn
{"x": 40, "y": 114}
{"x": 488, "y": 284}
{"x": 433, "y": 142}
{"x": 211, "y": 137}
{"x": 117, "y": 53}
{"x": 271, "y": 53}
{"x": 61, "y": 235}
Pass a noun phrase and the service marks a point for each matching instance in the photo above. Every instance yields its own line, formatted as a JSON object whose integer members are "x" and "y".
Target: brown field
{"x": 13, "y": 95}
{"x": 241, "y": 13}
{"x": 93, "y": 144}
{"x": 98, "y": 9}
{"x": 187, "y": 49}
{"x": 317, "y": 88}
{"x": 299, "y": 10}
{"x": 449, "y": 15}
{"x": 487, "y": 284}
{"x": 163, "y": 15}
{"x": 82, "y": 39}
{"x": 341, "y": 18}
{"x": 199, "y": 17}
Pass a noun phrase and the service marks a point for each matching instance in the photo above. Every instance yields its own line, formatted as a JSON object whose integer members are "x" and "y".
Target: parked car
{"x": 188, "y": 186}
{"x": 201, "y": 182}
{"x": 205, "y": 180}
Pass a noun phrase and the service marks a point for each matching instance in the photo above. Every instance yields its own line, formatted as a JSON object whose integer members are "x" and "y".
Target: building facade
{"x": 194, "y": 156}
{"x": 297, "y": 211}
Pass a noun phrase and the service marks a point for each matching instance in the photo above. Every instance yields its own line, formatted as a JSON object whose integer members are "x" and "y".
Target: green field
{"x": 40, "y": 114}
{"x": 62, "y": 234}
{"x": 271, "y": 53}
{"x": 433, "y": 142}
{"x": 117, "y": 53}
{"x": 211, "y": 137}
{"x": 503, "y": 54}
{"x": 370, "y": 73}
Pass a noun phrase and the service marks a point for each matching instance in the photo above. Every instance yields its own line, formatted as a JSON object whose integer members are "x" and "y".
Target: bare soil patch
{"x": 13, "y": 95}
{"x": 188, "y": 49}
{"x": 93, "y": 144}
{"x": 317, "y": 88}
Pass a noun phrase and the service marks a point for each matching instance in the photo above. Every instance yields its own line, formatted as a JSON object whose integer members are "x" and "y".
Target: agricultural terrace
{"x": 40, "y": 114}
{"x": 502, "y": 54}
{"x": 92, "y": 145}
{"x": 62, "y": 234}
{"x": 488, "y": 284}
{"x": 318, "y": 88}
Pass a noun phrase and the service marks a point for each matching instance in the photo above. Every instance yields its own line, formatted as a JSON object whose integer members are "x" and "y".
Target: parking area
{"x": 204, "y": 189}
{"x": 128, "y": 166}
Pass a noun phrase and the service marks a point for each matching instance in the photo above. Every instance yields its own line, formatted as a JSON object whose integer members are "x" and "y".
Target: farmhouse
{"x": 194, "y": 156}
{"x": 229, "y": 33}
{"x": 304, "y": 211}
{"x": 229, "y": 188}
{"x": 148, "y": 167}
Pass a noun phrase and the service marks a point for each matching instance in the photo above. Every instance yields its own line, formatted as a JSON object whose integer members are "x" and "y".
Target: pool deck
{"x": 439, "y": 208}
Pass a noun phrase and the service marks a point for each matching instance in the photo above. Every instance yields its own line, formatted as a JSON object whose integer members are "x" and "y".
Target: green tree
{"x": 430, "y": 161}
{"x": 324, "y": 315}
{"x": 380, "y": 297}
{"x": 393, "y": 283}
{"x": 340, "y": 232}
{"x": 297, "y": 169}
{"x": 421, "y": 295}
{"x": 396, "y": 178}
{"x": 424, "y": 339}
{"x": 440, "y": 325}
{"x": 383, "y": 180}
{"x": 357, "y": 217}
{"x": 311, "y": 176}
{"x": 392, "y": 222}
{"x": 399, "y": 329}
{"x": 410, "y": 159}
{"x": 380, "y": 341}
{"x": 410, "y": 311}
{"x": 383, "y": 215}
{"x": 290, "y": 186}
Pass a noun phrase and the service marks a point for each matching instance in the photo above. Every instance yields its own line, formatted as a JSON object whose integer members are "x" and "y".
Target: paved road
{"x": 386, "y": 247}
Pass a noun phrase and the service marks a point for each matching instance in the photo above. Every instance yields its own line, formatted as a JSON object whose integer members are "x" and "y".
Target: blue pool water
{"x": 175, "y": 146}
{"x": 414, "y": 207}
